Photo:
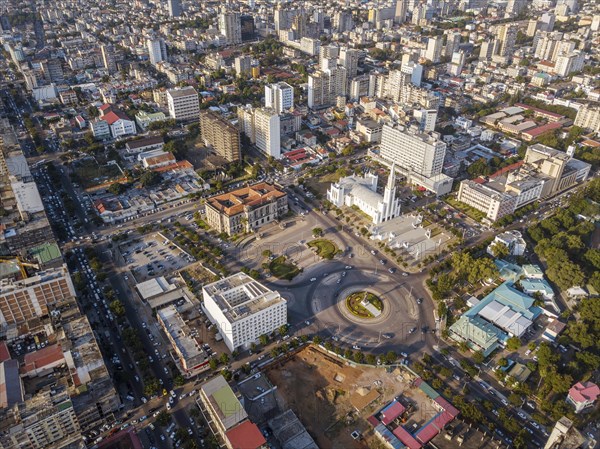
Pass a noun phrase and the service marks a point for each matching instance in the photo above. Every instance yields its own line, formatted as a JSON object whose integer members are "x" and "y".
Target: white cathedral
{"x": 362, "y": 192}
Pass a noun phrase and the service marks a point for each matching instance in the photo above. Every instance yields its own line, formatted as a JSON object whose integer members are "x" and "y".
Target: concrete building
{"x": 246, "y": 209}
{"x": 325, "y": 85}
{"x": 108, "y": 58}
{"x": 157, "y": 50}
{"x": 427, "y": 119}
{"x": 434, "y": 49}
{"x": 362, "y": 192}
{"x": 227, "y": 414}
{"x": 47, "y": 419}
{"x": 243, "y": 65}
{"x": 183, "y": 104}
{"x": 279, "y": 96}
{"x": 267, "y": 131}
{"x": 221, "y": 135}
{"x": 588, "y": 117}
{"x": 34, "y": 297}
{"x": 408, "y": 148}
{"x": 230, "y": 27}
{"x": 243, "y": 309}
{"x": 174, "y": 7}
{"x": 565, "y": 435}
{"x": 192, "y": 358}
{"x": 494, "y": 203}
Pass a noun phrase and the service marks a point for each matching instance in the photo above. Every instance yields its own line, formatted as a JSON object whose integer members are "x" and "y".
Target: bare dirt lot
{"x": 325, "y": 394}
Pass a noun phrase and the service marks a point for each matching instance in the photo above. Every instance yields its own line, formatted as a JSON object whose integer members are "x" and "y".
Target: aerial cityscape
{"x": 256, "y": 224}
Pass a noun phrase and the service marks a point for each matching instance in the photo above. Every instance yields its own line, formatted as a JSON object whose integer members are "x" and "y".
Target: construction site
{"x": 332, "y": 398}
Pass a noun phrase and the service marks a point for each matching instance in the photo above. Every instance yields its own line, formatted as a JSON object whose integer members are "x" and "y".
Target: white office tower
{"x": 349, "y": 60}
{"x": 157, "y": 50}
{"x": 413, "y": 150}
{"x": 426, "y": 118}
{"x": 415, "y": 71}
{"x": 183, "y": 104}
{"x": 400, "y": 11}
{"x": 230, "y": 26}
{"x": 243, "y": 309}
{"x": 279, "y": 96}
{"x": 434, "y": 49}
{"x": 267, "y": 131}
{"x": 174, "y": 7}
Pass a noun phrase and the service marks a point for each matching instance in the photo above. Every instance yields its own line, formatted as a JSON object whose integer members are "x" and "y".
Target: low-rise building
{"x": 144, "y": 119}
{"x": 243, "y": 309}
{"x": 192, "y": 358}
{"x": 183, "y": 104}
{"x": 583, "y": 395}
{"x": 145, "y": 144}
{"x": 495, "y": 204}
{"x": 513, "y": 240}
{"x": 246, "y": 209}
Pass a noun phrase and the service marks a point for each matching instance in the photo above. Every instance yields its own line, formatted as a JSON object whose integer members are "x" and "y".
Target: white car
{"x": 313, "y": 279}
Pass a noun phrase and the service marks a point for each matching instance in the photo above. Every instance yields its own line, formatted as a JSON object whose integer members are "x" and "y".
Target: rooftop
{"x": 245, "y": 436}
{"x": 179, "y": 333}
{"x": 239, "y": 295}
{"x": 234, "y": 202}
{"x": 223, "y": 402}
{"x": 184, "y": 92}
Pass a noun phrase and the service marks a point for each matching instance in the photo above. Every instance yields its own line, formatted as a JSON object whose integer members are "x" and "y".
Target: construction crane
{"x": 22, "y": 264}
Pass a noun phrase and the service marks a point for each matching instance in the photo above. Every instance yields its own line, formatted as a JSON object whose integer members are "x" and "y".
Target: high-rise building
{"x": 221, "y": 135}
{"x": 514, "y": 7}
{"x": 267, "y": 131}
{"x": 567, "y": 63}
{"x": 415, "y": 70}
{"x": 243, "y": 309}
{"x": 434, "y": 49}
{"x": 243, "y": 65}
{"x": 183, "y": 104}
{"x": 174, "y": 7}
{"x": 230, "y": 26}
{"x": 348, "y": 59}
{"x": 412, "y": 150}
{"x": 506, "y": 35}
{"x": 359, "y": 87}
{"x": 452, "y": 43}
{"x": 52, "y": 70}
{"x": 247, "y": 28}
{"x": 108, "y": 58}
{"x": 342, "y": 21}
{"x": 157, "y": 50}
{"x": 279, "y": 96}
{"x": 400, "y": 11}
{"x": 426, "y": 118}
{"x": 588, "y": 117}
{"x": 318, "y": 90}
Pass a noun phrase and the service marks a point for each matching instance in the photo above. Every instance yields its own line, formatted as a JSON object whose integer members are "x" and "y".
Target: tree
{"x": 500, "y": 250}
{"x": 478, "y": 357}
{"x": 317, "y": 340}
{"x": 513, "y": 343}
{"x": 283, "y": 330}
{"x": 224, "y": 358}
{"x": 391, "y": 357}
{"x": 163, "y": 418}
{"x": 117, "y": 307}
{"x": 317, "y": 232}
{"x": 179, "y": 380}
{"x": 371, "y": 359}
{"x": 358, "y": 357}
{"x": 213, "y": 363}
{"x": 263, "y": 339}
{"x": 150, "y": 178}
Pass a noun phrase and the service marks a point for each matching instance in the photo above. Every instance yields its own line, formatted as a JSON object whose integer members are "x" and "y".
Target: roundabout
{"x": 365, "y": 306}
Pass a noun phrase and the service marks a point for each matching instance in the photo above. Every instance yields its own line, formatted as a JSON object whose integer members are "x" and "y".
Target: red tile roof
{"x": 42, "y": 358}
{"x": 245, "y": 436}
{"x": 4, "y": 354}
{"x": 114, "y": 116}
{"x": 584, "y": 392}
{"x": 406, "y": 438}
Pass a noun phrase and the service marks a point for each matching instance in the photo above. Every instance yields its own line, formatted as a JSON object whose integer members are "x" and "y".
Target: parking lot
{"x": 153, "y": 256}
